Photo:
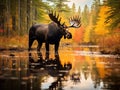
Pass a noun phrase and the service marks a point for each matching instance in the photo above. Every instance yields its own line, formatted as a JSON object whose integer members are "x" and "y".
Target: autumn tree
{"x": 2, "y": 16}
{"x": 39, "y": 9}
{"x": 89, "y": 20}
{"x": 101, "y": 27}
{"x": 73, "y": 8}
{"x": 79, "y": 11}
{"x": 95, "y": 10}
{"x": 106, "y": 38}
{"x": 85, "y": 16}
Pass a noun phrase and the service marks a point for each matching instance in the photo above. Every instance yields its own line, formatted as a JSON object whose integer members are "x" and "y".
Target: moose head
{"x": 75, "y": 22}
{"x": 52, "y": 33}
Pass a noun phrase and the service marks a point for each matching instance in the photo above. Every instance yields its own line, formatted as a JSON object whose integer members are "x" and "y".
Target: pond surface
{"x": 76, "y": 68}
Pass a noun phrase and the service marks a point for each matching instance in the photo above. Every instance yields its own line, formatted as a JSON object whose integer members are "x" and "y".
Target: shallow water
{"x": 77, "y": 68}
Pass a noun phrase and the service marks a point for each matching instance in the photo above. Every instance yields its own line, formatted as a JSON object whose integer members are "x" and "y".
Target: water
{"x": 77, "y": 68}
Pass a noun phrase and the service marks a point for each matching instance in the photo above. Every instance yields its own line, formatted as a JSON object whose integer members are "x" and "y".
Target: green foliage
{"x": 95, "y": 11}
{"x": 39, "y": 10}
{"x": 114, "y": 13}
{"x": 73, "y": 8}
{"x": 85, "y": 16}
{"x": 59, "y": 5}
{"x": 79, "y": 11}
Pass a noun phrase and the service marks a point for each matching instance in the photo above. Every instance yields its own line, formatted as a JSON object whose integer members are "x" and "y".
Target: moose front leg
{"x": 56, "y": 50}
{"x": 47, "y": 50}
{"x": 38, "y": 50}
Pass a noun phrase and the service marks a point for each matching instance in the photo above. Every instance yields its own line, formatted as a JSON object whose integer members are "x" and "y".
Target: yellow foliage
{"x": 87, "y": 34}
{"x": 101, "y": 27}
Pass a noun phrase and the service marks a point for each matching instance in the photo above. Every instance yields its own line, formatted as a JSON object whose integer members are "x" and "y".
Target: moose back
{"x": 51, "y": 33}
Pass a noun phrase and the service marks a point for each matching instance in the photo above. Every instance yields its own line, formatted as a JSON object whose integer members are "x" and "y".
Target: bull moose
{"x": 51, "y": 33}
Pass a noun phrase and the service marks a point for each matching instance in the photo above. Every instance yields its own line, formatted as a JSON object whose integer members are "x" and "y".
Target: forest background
{"x": 100, "y": 23}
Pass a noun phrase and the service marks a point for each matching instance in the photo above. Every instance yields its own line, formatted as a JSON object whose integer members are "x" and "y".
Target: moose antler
{"x": 55, "y": 18}
{"x": 75, "y": 21}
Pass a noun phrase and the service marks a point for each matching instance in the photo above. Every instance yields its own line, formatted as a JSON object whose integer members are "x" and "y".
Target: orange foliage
{"x": 111, "y": 43}
{"x": 78, "y": 35}
{"x": 16, "y": 41}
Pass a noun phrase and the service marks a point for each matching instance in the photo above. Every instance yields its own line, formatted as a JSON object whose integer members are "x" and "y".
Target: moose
{"x": 52, "y": 33}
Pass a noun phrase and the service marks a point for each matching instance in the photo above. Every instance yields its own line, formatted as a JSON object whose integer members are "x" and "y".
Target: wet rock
{"x": 12, "y": 55}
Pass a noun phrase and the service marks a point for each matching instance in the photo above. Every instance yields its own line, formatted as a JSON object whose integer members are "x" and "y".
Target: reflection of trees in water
{"x": 86, "y": 70}
{"x": 95, "y": 76}
{"x": 34, "y": 82}
{"x": 112, "y": 78}
{"x": 15, "y": 74}
{"x": 112, "y": 82}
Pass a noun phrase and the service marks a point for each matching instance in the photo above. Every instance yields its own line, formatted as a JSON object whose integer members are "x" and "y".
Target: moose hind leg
{"x": 38, "y": 50}
{"x": 30, "y": 55}
{"x": 30, "y": 44}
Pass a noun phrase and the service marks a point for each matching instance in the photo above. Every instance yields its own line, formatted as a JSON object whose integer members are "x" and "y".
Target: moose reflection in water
{"x": 51, "y": 33}
{"x": 53, "y": 67}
